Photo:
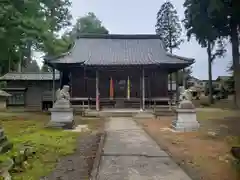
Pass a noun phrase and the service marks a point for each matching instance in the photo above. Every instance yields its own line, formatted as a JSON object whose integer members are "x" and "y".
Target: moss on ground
{"x": 49, "y": 144}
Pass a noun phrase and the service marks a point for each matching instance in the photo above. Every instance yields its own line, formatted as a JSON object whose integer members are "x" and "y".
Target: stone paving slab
{"x": 120, "y": 123}
{"x": 123, "y": 155}
{"x": 127, "y": 142}
{"x": 139, "y": 168}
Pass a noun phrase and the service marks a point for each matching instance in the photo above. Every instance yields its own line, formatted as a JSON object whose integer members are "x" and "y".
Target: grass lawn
{"x": 204, "y": 154}
{"x": 28, "y": 129}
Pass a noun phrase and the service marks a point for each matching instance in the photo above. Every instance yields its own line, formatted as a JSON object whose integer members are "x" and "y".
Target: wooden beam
{"x": 177, "y": 87}
{"x": 184, "y": 78}
{"x": 171, "y": 90}
{"x": 97, "y": 90}
{"x": 143, "y": 89}
{"x": 53, "y": 86}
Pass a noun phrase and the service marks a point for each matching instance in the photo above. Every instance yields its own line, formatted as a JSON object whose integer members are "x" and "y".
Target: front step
{"x": 112, "y": 113}
{"x": 117, "y": 114}
{"x": 163, "y": 111}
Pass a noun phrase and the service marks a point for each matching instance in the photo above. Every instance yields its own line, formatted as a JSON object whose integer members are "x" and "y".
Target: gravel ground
{"x": 79, "y": 165}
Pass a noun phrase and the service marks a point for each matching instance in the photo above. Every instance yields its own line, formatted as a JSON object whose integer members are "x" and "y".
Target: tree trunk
{"x": 236, "y": 66}
{"x": 210, "y": 95}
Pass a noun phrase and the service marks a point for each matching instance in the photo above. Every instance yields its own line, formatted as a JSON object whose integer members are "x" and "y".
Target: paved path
{"x": 130, "y": 154}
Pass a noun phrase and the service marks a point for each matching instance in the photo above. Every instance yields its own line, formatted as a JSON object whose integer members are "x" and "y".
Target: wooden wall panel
{"x": 156, "y": 82}
{"x": 78, "y": 89}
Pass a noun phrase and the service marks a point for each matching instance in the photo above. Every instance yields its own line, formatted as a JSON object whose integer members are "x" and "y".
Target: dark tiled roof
{"x": 119, "y": 50}
{"x": 4, "y": 93}
{"x": 29, "y": 76}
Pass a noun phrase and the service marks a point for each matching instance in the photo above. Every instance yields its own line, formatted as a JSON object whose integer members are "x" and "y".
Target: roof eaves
{"x": 188, "y": 60}
{"x": 25, "y": 76}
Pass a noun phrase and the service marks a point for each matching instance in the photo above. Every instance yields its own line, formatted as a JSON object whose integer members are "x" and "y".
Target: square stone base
{"x": 186, "y": 121}
{"x": 61, "y": 118}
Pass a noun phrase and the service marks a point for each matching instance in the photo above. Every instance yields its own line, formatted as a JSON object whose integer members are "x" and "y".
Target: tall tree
{"x": 168, "y": 26}
{"x": 32, "y": 67}
{"x": 225, "y": 18}
{"x": 198, "y": 23}
{"x": 19, "y": 21}
{"x": 57, "y": 14}
{"x": 89, "y": 24}
{"x": 27, "y": 25}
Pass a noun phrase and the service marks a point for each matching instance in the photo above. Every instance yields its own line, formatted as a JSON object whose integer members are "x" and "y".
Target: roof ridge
{"x": 118, "y": 36}
{"x": 29, "y": 73}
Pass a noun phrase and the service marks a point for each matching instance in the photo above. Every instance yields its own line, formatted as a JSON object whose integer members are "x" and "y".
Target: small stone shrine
{"x": 5, "y": 145}
{"x": 186, "y": 114}
{"x": 3, "y": 98}
{"x": 62, "y": 112}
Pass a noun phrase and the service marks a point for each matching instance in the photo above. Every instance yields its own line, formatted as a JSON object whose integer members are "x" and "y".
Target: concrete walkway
{"x": 130, "y": 154}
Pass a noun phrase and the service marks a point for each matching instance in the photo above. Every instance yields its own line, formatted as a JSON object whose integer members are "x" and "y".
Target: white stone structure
{"x": 186, "y": 114}
{"x": 62, "y": 113}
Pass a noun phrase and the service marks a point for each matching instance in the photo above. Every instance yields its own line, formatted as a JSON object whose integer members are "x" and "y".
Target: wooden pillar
{"x": 171, "y": 90}
{"x": 128, "y": 88}
{"x": 143, "y": 89}
{"x": 170, "y": 79}
{"x": 61, "y": 80}
{"x": 111, "y": 89}
{"x": 184, "y": 79}
{"x": 97, "y": 90}
{"x": 177, "y": 87}
{"x": 53, "y": 86}
{"x": 70, "y": 83}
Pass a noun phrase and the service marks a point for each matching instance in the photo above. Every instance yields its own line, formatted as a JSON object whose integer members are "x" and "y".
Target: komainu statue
{"x": 185, "y": 94}
{"x": 62, "y": 98}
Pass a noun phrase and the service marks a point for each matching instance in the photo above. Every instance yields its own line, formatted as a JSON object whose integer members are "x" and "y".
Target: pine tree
{"x": 168, "y": 26}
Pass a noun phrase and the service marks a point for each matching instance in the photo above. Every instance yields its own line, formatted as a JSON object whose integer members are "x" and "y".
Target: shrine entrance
{"x": 120, "y": 88}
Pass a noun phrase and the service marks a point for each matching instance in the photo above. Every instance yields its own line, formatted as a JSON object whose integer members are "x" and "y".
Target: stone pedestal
{"x": 62, "y": 115}
{"x": 186, "y": 117}
{"x": 61, "y": 118}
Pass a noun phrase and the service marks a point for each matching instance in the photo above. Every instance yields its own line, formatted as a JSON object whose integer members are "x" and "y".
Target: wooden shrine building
{"x": 122, "y": 71}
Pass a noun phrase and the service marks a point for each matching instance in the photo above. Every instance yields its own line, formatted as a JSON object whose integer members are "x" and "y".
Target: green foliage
{"x": 198, "y": 23}
{"x": 45, "y": 68}
{"x": 55, "y": 46}
{"x": 223, "y": 17}
{"x": 168, "y": 26}
{"x": 32, "y": 67}
{"x": 27, "y": 25}
{"x": 89, "y": 24}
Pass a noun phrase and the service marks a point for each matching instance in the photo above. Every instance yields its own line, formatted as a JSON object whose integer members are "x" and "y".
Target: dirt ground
{"x": 204, "y": 154}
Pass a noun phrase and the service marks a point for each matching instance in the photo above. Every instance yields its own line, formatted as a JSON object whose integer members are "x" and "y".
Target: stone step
{"x": 164, "y": 112}
{"x": 117, "y": 114}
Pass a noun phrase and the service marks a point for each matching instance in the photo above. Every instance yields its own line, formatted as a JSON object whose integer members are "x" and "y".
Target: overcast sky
{"x": 139, "y": 17}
